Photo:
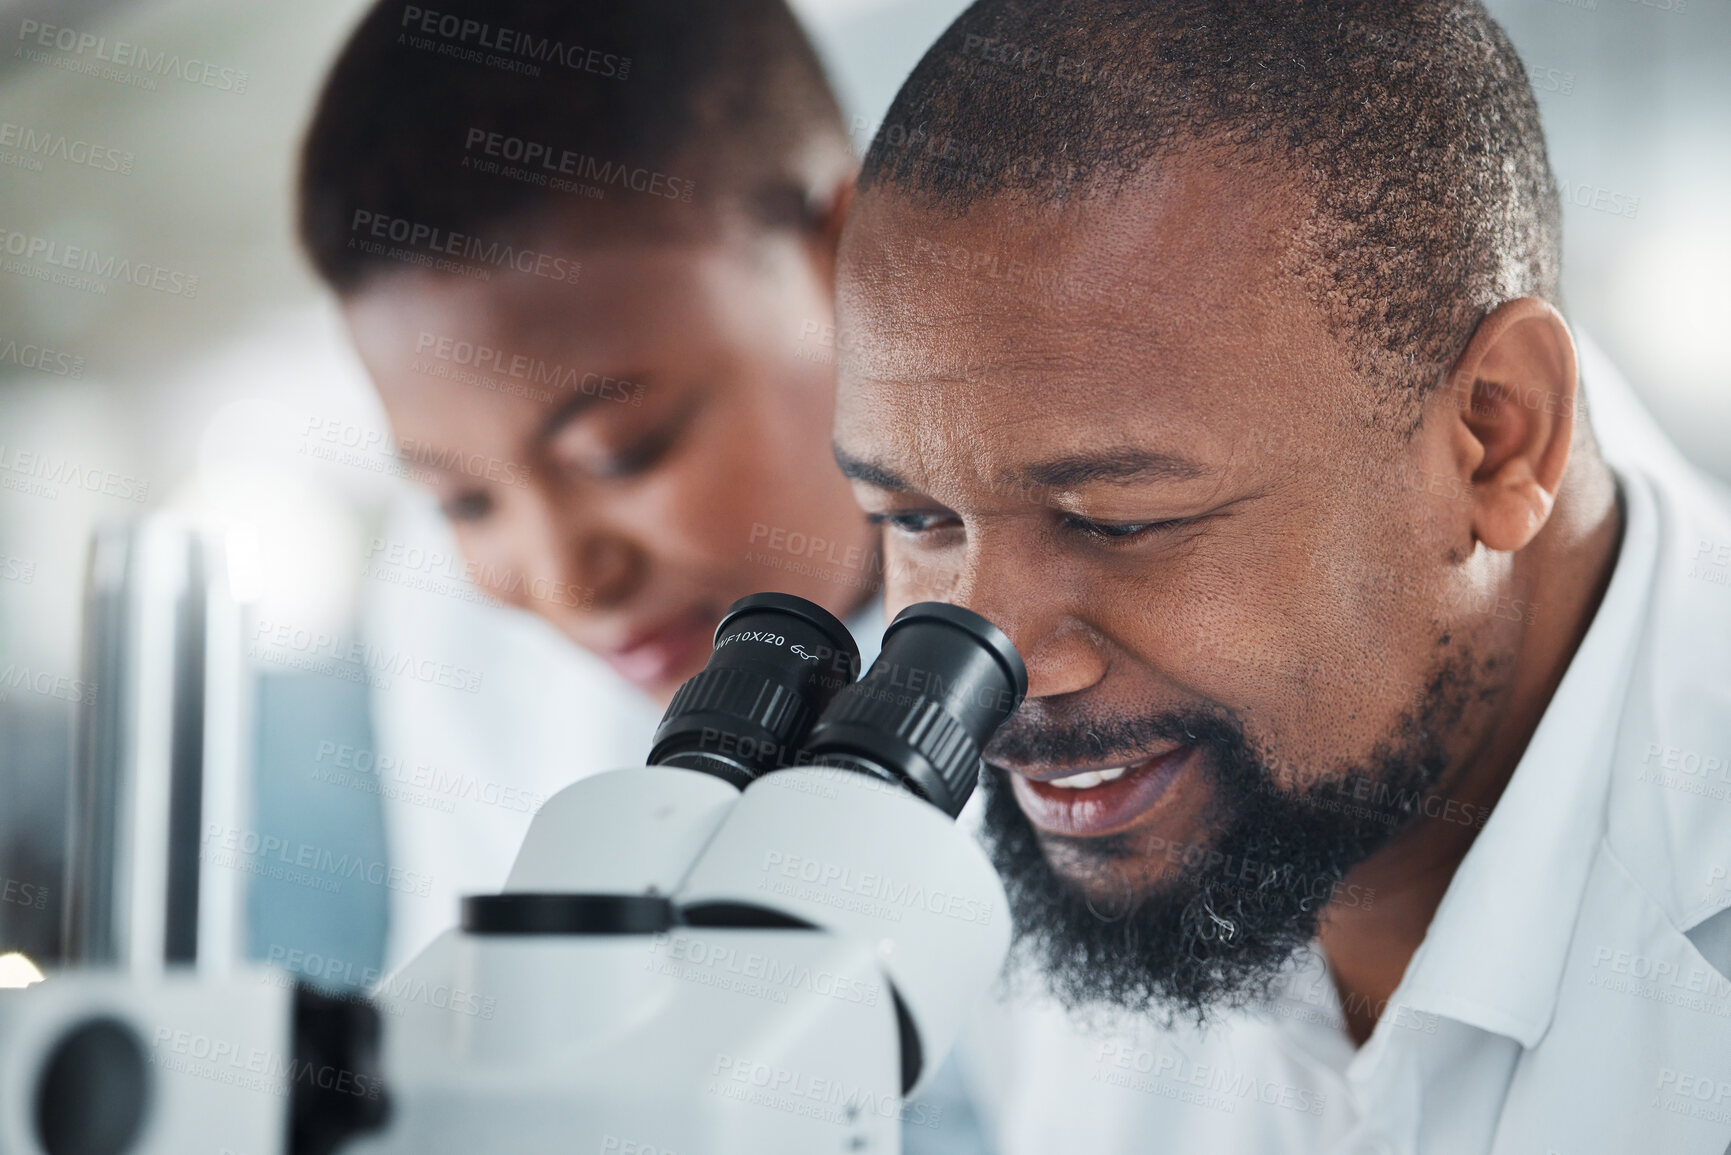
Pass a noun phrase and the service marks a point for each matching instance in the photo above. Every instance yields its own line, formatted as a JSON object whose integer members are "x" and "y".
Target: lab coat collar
{"x": 1495, "y": 951}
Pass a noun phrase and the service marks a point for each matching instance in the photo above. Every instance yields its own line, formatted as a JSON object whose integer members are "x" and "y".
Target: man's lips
{"x": 649, "y": 658}
{"x": 1101, "y": 800}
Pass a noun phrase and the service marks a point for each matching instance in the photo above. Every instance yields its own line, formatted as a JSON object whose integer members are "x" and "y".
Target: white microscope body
{"x": 708, "y": 1039}
{"x": 677, "y": 965}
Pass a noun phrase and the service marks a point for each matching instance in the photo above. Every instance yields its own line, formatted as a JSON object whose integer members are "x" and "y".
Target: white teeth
{"x": 1088, "y": 779}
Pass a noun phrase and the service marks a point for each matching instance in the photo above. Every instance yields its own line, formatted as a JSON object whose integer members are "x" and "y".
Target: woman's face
{"x": 627, "y": 455}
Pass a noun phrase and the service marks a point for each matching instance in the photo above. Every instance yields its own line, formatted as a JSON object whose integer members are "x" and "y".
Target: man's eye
{"x": 470, "y": 505}
{"x": 1115, "y": 531}
{"x": 911, "y": 522}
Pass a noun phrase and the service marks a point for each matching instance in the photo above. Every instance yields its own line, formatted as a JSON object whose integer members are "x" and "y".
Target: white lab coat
{"x": 1605, "y": 1022}
{"x": 1637, "y": 1053}
{"x": 1608, "y": 1075}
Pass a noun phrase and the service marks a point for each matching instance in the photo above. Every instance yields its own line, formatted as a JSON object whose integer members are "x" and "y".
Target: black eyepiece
{"x": 946, "y": 680}
{"x": 778, "y": 662}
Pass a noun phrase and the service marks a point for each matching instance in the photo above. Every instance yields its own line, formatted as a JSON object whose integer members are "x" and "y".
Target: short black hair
{"x": 487, "y": 117}
{"x": 1412, "y": 121}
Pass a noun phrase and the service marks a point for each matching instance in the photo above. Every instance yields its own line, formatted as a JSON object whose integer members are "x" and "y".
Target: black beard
{"x": 1216, "y": 933}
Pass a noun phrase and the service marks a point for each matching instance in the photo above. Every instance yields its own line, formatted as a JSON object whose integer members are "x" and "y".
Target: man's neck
{"x": 1569, "y": 563}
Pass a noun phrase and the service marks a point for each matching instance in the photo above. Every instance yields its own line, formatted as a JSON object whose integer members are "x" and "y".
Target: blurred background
{"x": 222, "y": 387}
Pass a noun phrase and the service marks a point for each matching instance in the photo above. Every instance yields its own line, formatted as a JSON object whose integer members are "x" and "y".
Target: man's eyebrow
{"x": 857, "y": 469}
{"x": 1115, "y": 467}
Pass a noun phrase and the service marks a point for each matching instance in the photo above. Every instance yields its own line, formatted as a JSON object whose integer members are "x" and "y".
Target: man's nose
{"x": 1063, "y": 654}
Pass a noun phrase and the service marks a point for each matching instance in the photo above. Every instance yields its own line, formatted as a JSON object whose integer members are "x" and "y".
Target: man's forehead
{"x": 1166, "y": 316}
{"x": 1174, "y": 262}
{"x": 1026, "y": 415}
{"x": 1180, "y": 222}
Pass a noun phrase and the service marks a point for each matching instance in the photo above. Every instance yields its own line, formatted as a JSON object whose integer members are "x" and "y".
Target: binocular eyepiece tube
{"x": 779, "y": 691}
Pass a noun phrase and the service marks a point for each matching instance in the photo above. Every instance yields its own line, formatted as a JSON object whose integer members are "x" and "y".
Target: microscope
{"x": 760, "y": 942}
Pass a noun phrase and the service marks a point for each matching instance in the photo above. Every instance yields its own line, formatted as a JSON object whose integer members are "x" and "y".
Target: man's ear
{"x": 1515, "y": 388}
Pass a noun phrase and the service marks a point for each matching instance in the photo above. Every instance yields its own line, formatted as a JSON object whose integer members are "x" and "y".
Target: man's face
{"x": 1252, "y": 619}
{"x": 628, "y": 455}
